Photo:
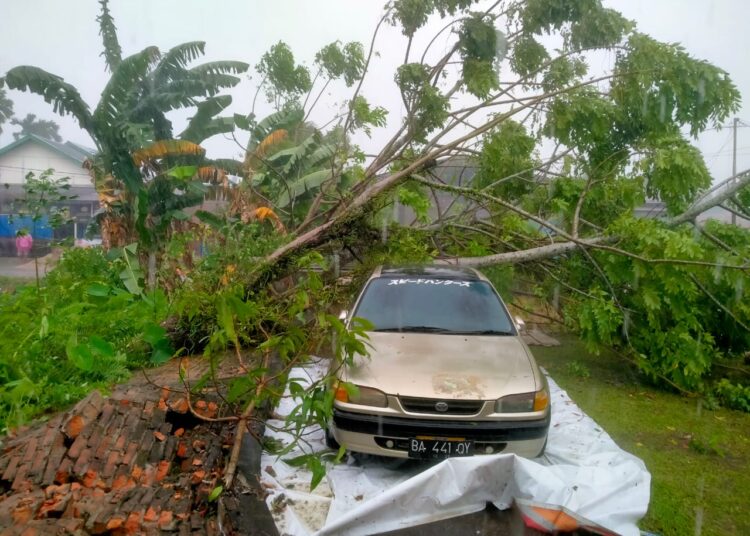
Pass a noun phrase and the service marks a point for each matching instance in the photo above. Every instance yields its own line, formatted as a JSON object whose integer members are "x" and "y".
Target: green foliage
{"x": 286, "y": 81}
{"x": 81, "y": 330}
{"x": 733, "y": 396}
{"x": 215, "y": 493}
{"x": 404, "y": 246}
{"x": 132, "y": 111}
{"x": 64, "y": 98}
{"x": 528, "y": 55}
{"x": 676, "y": 320}
{"x": 506, "y": 161}
{"x": 429, "y": 108}
{"x": 232, "y": 251}
{"x": 414, "y": 196}
{"x": 675, "y": 90}
{"x": 112, "y": 51}
{"x": 365, "y": 117}
{"x": 41, "y": 196}
{"x": 205, "y": 124}
{"x": 6, "y": 107}
{"x": 347, "y": 62}
{"x": 674, "y": 172}
{"x": 564, "y": 71}
{"x": 411, "y": 15}
{"x": 598, "y": 28}
{"x": 579, "y": 369}
{"x": 478, "y": 45}
{"x": 547, "y": 15}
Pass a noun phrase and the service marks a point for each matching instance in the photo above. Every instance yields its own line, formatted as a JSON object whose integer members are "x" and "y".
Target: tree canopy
{"x": 39, "y": 127}
{"x": 551, "y": 154}
{"x": 6, "y": 109}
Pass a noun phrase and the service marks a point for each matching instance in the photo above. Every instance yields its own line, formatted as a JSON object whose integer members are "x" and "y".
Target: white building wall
{"x": 32, "y": 156}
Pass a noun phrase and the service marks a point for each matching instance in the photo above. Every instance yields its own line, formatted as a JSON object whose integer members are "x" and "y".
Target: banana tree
{"x": 132, "y": 111}
{"x": 288, "y": 163}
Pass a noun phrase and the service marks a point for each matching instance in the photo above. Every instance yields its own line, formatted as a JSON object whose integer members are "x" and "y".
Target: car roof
{"x": 435, "y": 271}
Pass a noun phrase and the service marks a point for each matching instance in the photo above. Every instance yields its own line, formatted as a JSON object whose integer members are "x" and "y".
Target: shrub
{"x": 81, "y": 330}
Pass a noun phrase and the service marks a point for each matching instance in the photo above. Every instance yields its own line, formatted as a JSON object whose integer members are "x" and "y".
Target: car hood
{"x": 445, "y": 366}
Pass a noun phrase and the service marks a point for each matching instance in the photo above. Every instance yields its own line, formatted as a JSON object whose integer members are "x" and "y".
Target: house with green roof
{"x": 33, "y": 153}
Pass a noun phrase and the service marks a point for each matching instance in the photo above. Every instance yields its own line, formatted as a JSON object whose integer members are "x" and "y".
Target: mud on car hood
{"x": 428, "y": 365}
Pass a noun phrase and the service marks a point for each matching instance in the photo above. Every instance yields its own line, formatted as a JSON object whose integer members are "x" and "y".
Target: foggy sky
{"x": 62, "y": 37}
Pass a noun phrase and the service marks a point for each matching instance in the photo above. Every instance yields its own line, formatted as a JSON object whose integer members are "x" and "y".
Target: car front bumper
{"x": 388, "y": 436}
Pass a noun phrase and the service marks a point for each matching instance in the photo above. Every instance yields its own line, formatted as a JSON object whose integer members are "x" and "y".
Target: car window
{"x": 438, "y": 305}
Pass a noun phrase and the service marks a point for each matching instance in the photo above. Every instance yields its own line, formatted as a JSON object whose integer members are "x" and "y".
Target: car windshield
{"x": 434, "y": 306}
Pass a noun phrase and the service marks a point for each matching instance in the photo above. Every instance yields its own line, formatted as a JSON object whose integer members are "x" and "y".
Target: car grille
{"x": 427, "y": 405}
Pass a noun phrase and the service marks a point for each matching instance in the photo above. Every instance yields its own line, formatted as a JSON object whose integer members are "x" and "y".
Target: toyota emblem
{"x": 441, "y": 406}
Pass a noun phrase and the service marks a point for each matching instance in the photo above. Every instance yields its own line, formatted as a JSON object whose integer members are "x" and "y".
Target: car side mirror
{"x": 343, "y": 314}
{"x": 520, "y": 325}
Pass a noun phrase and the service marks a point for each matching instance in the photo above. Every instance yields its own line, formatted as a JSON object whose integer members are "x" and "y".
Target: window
{"x": 434, "y": 305}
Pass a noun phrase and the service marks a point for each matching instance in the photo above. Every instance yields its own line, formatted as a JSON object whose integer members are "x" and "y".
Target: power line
{"x": 44, "y": 169}
{"x": 740, "y": 124}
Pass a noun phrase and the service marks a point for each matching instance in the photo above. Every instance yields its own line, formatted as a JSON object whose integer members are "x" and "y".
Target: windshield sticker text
{"x": 439, "y": 282}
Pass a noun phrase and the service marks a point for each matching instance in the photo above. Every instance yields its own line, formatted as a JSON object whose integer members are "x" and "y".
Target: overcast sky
{"x": 62, "y": 37}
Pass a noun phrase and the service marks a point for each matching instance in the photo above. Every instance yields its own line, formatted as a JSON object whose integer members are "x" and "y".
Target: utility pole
{"x": 734, "y": 159}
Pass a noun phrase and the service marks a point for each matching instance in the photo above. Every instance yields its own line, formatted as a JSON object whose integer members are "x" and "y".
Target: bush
{"x": 81, "y": 330}
{"x": 733, "y": 396}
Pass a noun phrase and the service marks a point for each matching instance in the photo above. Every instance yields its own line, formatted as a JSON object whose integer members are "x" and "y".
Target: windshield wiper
{"x": 417, "y": 329}
{"x": 486, "y": 332}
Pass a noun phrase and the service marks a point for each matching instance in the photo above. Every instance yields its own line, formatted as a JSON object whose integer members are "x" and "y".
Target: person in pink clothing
{"x": 24, "y": 243}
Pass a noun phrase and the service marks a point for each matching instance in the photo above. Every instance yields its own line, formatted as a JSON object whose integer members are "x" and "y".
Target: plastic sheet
{"x": 582, "y": 470}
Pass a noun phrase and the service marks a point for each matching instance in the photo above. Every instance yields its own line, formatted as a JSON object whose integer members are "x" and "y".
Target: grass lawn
{"x": 699, "y": 459}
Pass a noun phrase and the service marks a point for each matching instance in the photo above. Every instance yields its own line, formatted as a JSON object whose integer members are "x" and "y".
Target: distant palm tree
{"x": 39, "y": 127}
{"x": 6, "y": 109}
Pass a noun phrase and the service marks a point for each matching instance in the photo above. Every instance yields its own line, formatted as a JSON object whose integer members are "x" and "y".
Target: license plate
{"x": 439, "y": 448}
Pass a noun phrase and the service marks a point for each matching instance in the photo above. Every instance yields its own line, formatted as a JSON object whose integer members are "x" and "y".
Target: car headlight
{"x": 358, "y": 394}
{"x": 523, "y": 403}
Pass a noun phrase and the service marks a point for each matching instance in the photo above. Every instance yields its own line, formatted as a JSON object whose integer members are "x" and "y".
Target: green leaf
{"x": 238, "y": 387}
{"x": 302, "y": 186}
{"x": 162, "y": 352}
{"x": 318, "y": 471}
{"x": 298, "y": 461}
{"x": 182, "y": 172}
{"x": 101, "y": 347}
{"x": 98, "y": 289}
{"x": 79, "y": 354}
{"x": 44, "y": 328}
{"x": 215, "y": 493}
{"x": 180, "y": 215}
{"x": 153, "y": 333}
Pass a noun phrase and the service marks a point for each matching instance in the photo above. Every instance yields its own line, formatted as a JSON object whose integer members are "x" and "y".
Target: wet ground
{"x": 23, "y": 268}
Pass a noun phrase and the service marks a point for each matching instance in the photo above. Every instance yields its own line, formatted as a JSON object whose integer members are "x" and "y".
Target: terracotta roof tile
{"x": 112, "y": 466}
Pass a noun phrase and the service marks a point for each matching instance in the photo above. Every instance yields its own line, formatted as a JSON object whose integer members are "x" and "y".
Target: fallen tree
{"x": 559, "y": 153}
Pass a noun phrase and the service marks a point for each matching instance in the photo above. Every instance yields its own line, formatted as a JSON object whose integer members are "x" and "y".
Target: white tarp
{"x": 582, "y": 470}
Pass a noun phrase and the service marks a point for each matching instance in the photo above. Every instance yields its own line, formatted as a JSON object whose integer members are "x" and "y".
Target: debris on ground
{"x": 137, "y": 462}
